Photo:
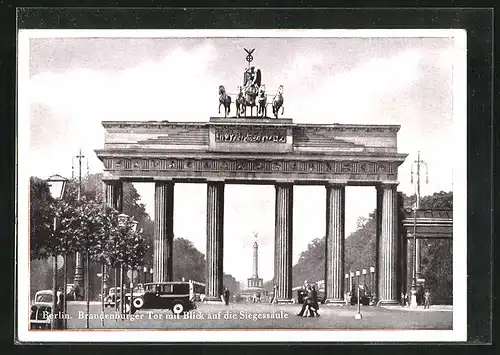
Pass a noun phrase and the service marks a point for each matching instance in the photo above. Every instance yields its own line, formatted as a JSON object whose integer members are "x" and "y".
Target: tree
{"x": 311, "y": 264}
{"x": 41, "y": 221}
{"x": 42, "y": 209}
{"x": 189, "y": 262}
{"x": 232, "y": 284}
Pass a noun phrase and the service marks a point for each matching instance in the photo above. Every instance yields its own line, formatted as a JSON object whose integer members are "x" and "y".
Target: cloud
{"x": 352, "y": 96}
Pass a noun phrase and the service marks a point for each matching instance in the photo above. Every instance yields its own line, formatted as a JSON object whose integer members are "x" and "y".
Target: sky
{"x": 76, "y": 83}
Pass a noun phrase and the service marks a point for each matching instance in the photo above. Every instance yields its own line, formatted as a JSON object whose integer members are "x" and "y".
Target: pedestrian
{"x": 274, "y": 300}
{"x": 403, "y": 300}
{"x": 77, "y": 293}
{"x": 427, "y": 299}
{"x": 60, "y": 299}
{"x": 226, "y": 296}
{"x": 305, "y": 310}
{"x": 314, "y": 305}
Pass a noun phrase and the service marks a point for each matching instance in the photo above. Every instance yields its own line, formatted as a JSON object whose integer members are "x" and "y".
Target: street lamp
{"x": 57, "y": 185}
{"x": 413, "y": 302}
{"x": 351, "y": 280}
{"x": 372, "y": 281}
{"x": 346, "y": 276}
{"x": 358, "y": 315}
{"x": 364, "y": 277}
{"x": 151, "y": 272}
{"x": 145, "y": 273}
{"x": 123, "y": 219}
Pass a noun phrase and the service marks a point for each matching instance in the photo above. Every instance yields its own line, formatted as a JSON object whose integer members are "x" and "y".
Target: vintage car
{"x": 175, "y": 296}
{"x": 41, "y": 309}
{"x": 110, "y": 299}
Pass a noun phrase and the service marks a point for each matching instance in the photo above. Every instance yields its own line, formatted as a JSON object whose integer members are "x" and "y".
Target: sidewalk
{"x": 83, "y": 302}
{"x": 435, "y": 308}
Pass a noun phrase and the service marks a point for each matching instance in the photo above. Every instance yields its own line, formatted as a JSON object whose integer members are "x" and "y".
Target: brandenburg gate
{"x": 262, "y": 150}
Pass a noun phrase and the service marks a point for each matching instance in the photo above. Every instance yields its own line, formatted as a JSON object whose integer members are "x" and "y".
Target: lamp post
{"x": 57, "y": 185}
{"x": 351, "y": 281}
{"x": 364, "y": 277}
{"x": 122, "y": 221}
{"x": 103, "y": 290}
{"x": 413, "y": 302}
{"x": 346, "y": 277}
{"x": 151, "y": 272}
{"x": 358, "y": 315}
{"x": 372, "y": 281}
{"x": 145, "y": 273}
{"x": 416, "y": 243}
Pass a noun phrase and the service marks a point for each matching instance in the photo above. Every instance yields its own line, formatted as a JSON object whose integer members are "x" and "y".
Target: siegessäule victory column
{"x": 251, "y": 94}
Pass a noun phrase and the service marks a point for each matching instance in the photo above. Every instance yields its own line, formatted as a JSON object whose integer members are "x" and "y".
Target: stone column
{"x": 388, "y": 248}
{"x": 378, "y": 232}
{"x": 163, "y": 231}
{"x": 335, "y": 234}
{"x": 283, "y": 241}
{"x": 215, "y": 239}
{"x": 114, "y": 194}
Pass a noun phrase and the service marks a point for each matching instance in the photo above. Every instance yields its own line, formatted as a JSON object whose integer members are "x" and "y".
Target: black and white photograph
{"x": 213, "y": 185}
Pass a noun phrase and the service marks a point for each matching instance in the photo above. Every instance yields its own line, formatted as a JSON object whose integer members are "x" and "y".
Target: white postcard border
{"x": 459, "y": 331}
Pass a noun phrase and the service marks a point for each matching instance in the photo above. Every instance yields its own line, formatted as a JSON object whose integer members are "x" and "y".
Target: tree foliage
{"x": 41, "y": 221}
{"x": 84, "y": 226}
{"x": 311, "y": 264}
{"x": 232, "y": 284}
{"x": 189, "y": 262}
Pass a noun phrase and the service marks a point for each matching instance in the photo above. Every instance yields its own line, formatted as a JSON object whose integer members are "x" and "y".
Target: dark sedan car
{"x": 175, "y": 296}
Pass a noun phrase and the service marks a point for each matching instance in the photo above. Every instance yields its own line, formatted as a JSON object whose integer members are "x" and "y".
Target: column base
{"x": 286, "y": 301}
{"x": 334, "y": 302}
{"x": 413, "y": 301}
{"x": 213, "y": 300}
{"x": 358, "y": 316}
{"x": 388, "y": 303}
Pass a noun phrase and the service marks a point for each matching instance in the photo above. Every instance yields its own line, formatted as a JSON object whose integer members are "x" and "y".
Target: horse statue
{"x": 278, "y": 102}
{"x": 262, "y": 102}
{"x": 240, "y": 102}
{"x": 225, "y": 100}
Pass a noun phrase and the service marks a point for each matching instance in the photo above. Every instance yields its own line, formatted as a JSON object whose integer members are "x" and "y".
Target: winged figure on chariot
{"x": 251, "y": 94}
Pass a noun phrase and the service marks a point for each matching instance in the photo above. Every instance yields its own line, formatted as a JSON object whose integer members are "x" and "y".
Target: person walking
{"x": 274, "y": 300}
{"x": 427, "y": 299}
{"x": 314, "y": 306}
{"x": 225, "y": 295}
{"x": 307, "y": 302}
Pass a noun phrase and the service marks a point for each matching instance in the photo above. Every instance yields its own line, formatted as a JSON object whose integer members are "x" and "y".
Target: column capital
{"x": 388, "y": 184}
{"x": 111, "y": 181}
{"x": 283, "y": 183}
{"x": 336, "y": 183}
{"x": 163, "y": 180}
{"x": 216, "y": 180}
